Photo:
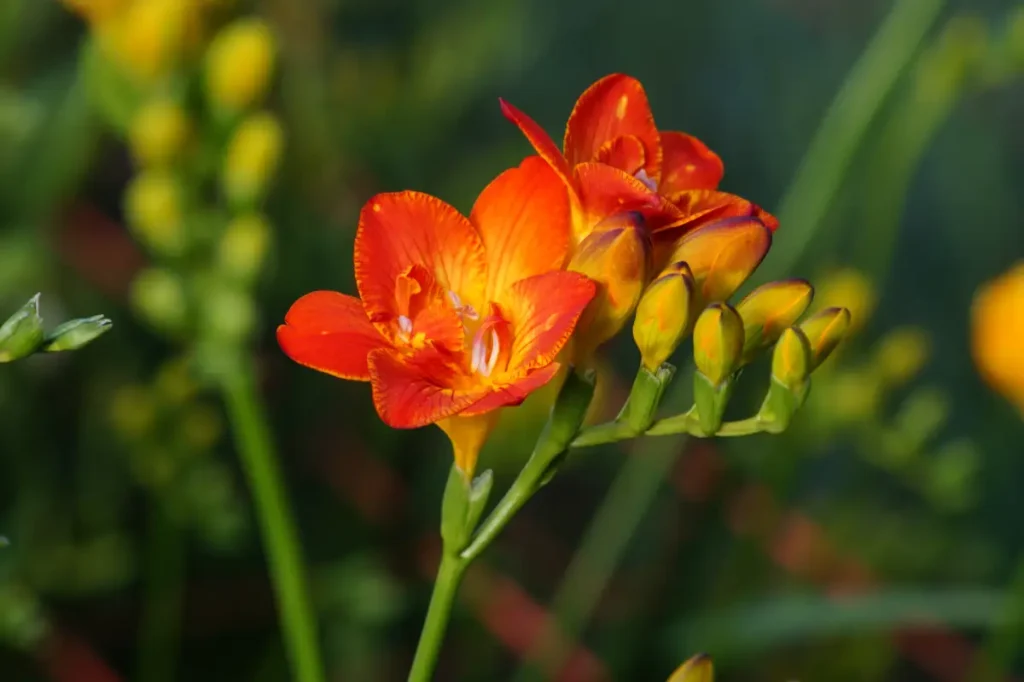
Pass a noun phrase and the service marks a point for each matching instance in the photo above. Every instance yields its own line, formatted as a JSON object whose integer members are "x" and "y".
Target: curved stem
{"x": 446, "y": 586}
{"x": 277, "y": 524}
{"x": 160, "y": 630}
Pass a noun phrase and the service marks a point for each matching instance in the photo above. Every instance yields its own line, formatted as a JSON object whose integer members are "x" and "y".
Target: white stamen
{"x": 456, "y": 301}
{"x": 405, "y": 324}
{"x": 465, "y": 311}
{"x": 478, "y": 356}
{"x": 643, "y": 177}
{"x": 493, "y": 360}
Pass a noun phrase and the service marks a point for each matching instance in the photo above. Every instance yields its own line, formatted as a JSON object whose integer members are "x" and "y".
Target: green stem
{"x": 160, "y": 630}
{"x": 446, "y": 586}
{"x": 277, "y": 524}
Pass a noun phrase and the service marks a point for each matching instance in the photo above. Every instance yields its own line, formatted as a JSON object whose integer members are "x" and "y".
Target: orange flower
{"x": 456, "y": 317}
{"x": 614, "y": 158}
{"x": 997, "y": 325}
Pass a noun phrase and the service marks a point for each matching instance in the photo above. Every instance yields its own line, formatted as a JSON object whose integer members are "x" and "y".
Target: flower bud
{"x": 791, "y": 361}
{"x": 149, "y": 37}
{"x": 251, "y": 159}
{"x": 22, "y": 333}
{"x": 616, "y": 255}
{"x": 239, "y": 65}
{"x": 697, "y": 669}
{"x": 153, "y": 205}
{"x": 243, "y": 247}
{"x": 76, "y": 333}
{"x": 770, "y": 309}
{"x": 718, "y": 342}
{"x": 663, "y": 316}
{"x": 159, "y": 298}
{"x": 901, "y": 354}
{"x": 722, "y": 255}
{"x": 96, "y": 11}
{"x": 851, "y": 289}
{"x": 824, "y": 330}
{"x": 159, "y": 133}
{"x": 997, "y": 327}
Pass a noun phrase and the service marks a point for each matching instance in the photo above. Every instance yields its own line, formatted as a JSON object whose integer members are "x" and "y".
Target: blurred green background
{"x": 878, "y": 539}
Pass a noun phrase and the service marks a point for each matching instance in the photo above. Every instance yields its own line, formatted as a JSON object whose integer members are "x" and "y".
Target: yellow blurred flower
{"x": 244, "y": 245}
{"x": 96, "y": 11}
{"x": 997, "y": 330}
{"x": 159, "y": 133}
{"x": 239, "y": 64}
{"x": 153, "y": 205}
{"x": 149, "y": 37}
{"x": 901, "y": 354}
{"x": 850, "y": 289}
{"x": 159, "y": 297}
{"x": 697, "y": 669}
{"x": 251, "y": 158}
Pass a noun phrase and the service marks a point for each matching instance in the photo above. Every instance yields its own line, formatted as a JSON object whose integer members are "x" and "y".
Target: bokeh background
{"x": 879, "y": 539}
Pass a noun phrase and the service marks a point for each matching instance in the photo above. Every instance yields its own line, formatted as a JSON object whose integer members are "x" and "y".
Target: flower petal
{"x": 625, "y": 153}
{"x": 612, "y": 107}
{"x": 542, "y": 322}
{"x": 606, "y": 191}
{"x": 687, "y": 163}
{"x": 330, "y": 332}
{"x": 405, "y": 229}
{"x": 514, "y": 392}
{"x": 540, "y": 140}
{"x": 410, "y": 391}
{"x": 523, "y": 219}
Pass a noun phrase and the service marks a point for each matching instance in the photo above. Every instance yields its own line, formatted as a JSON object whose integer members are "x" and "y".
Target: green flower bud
{"x": 22, "y": 333}
{"x": 824, "y": 330}
{"x": 718, "y": 342}
{"x": 768, "y": 310}
{"x": 697, "y": 669}
{"x": 663, "y": 316}
{"x": 76, "y": 333}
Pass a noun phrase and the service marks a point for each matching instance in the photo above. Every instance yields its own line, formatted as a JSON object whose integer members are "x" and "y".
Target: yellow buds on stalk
{"x": 244, "y": 245}
{"x": 824, "y": 330}
{"x": 901, "y": 354}
{"x": 791, "y": 361}
{"x": 850, "y": 289}
{"x": 770, "y": 309}
{"x": 149, "y": 36}
{"x": 616, "y": 255}
{"x": 96, "y": 11}
{"x": 251, "y": 158}
{"x": 718, "y": 342}
{"x": 159, "y": 133}
{"x": 997, "y": 327}
{"x": 153, "y": 204}
{"x": 717, "y": 351}
{"x": 159, "y": 297}
{"x": 697, "y": 669}
{"x": 239, "y": 65}
{"x": 663, "y": 316}
{"x": 722, "y": 255}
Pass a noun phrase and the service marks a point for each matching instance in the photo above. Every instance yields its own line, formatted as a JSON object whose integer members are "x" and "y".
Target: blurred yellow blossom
{"x": 850, "y": 289}
{"x": 900, "y": 355}
{"x": 159, "y": 297}
{"x": 239, "y": 64}
{"x": 158, "y": 133}
{"x": 244, "y": 245}
{"x": 251, "y": 158}
{"x": 697, "y": 669}
{"x": 153, "y": 205}
{"x": 150, "y": 36}
{"x": 96, "y": 11}
{"x": 997, "y": 330}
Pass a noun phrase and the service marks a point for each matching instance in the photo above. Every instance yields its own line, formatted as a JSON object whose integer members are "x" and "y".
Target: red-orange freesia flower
{"x": 614, "y": 158}
{"x": 457, "y": 316}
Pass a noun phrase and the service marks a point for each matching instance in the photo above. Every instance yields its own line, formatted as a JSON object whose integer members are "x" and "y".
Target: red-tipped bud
{"x": 663, "y": 316}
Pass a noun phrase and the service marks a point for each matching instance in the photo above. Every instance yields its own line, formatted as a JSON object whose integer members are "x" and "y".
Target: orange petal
{"x": 687, "y": 163}
{"x": 625, "y": 153}
{"x": 540, "y": 140}
{"x": 413, "y": 391}
{"x": 514, "y": 392}
{"x": 405, "y": 229}
{"x": 330, "y": 332}
{"x": 605, "y": 191}
{"x": 612, "y": 107}
{"x": 523, "y": 219}
{"x": 543, "y": 311}
{"x": 723, "y": 254}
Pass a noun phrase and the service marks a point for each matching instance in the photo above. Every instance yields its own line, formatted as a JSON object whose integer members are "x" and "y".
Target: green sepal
{"x": 645, "y": 397}
{"x": 567, "y": 415}
{"x": 781, "y": 403}
{"x": 710, "y": 401}
{"x": 463, "y": 505}
{"x": 22, "y": 333}
{"x": 75, "y": 333}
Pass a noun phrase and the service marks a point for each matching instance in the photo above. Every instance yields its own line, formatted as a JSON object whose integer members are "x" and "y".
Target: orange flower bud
{"x": 824, "y": 330}
{"x": 791, "y": 361}
{"x": 723, "y": 255}
{"x": 697, "y": 669}
{"x": 663, "y": 317}
{"x": 616, "y": 256}
{"x": 718, "y": 342}
{"x": 769, "y": 309}
{"x": 997, "y": 326}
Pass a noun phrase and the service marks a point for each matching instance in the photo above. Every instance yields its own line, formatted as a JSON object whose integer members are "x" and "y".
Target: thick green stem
{"x": 277, "y": 524}
{"x": 160, "y": 629}
{"x": 446, "y": 586}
